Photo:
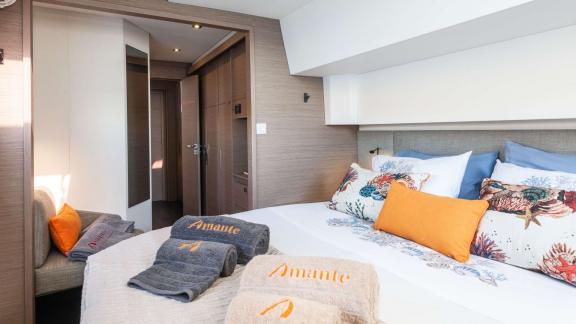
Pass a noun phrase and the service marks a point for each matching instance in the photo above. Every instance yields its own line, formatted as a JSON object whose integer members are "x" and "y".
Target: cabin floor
{"x": 59, "y": 308}
{"x": 165, "y": 213}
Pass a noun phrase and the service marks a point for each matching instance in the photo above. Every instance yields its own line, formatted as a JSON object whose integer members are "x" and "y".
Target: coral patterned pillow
{"x": 362, "y": 192}
{"x": 529, "y": 227}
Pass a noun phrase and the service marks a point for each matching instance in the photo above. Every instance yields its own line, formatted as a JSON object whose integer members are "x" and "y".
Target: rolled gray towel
{"x": 113, "y": 220}
{"x": 250, "y": 239}
{"x": 99, "y": 237}
{"x": 184, "y": 269}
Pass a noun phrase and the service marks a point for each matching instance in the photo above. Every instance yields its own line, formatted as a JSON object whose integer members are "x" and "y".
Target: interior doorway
{"x": 198, "y": 120}
{"x": 195, "y": 129}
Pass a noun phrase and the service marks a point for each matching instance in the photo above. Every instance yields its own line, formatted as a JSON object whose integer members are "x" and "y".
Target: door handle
{"x": 196, "y": 148}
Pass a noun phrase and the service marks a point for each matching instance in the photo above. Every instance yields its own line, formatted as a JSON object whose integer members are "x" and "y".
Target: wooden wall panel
{"x": 16, "y": 280}
{"x": 300, "y": 159}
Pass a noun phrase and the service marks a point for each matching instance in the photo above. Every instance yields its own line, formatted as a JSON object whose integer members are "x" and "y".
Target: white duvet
{"x": 417, "y": 285}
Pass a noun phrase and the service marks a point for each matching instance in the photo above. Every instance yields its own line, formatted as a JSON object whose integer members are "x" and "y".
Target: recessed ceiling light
{"x": 196, "y": 26}
{"x": 176, "y": 50}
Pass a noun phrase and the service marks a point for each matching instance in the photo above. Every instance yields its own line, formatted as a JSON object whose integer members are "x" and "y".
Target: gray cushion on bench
{"x": 43, "y": 210}
{"x": 58, "y": 274}
{"x": 53, "y": 271}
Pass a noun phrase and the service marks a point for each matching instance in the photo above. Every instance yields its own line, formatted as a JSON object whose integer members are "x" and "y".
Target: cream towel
{"x": 351, "y": 286}
{"x": 256, "y": 308}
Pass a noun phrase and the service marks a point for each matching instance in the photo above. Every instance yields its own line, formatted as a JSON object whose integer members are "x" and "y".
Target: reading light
{"x": 176, "y": 50}
{"x": 196, "y": 26}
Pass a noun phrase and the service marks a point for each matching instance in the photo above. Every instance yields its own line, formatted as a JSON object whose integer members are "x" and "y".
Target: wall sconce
{"x": 376, "y": 150}
{"x": 306, "y": 97}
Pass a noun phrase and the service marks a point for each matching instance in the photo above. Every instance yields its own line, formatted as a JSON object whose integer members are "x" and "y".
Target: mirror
{"x": 137, "y": 100}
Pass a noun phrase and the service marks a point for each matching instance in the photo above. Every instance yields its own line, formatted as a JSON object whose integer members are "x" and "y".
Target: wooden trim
{"x": 134, "y": 10}
{"x": 169, "y": 71}
{"x": 216, "y": 52}
{"x": 29, "y": 296}
{"x": 250, "y": 95}
{"x": 137, "y": 61}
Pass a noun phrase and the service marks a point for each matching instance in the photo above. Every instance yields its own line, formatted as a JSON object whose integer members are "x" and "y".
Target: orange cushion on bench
{"x": 65, "y": 228}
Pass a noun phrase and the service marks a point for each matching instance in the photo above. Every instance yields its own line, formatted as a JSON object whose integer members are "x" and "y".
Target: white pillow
{"x": 446, "y": 173}
{"x": 513, "y": 174}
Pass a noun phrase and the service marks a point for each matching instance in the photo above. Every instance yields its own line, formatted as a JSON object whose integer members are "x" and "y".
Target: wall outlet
{"x": 261, "y": 128}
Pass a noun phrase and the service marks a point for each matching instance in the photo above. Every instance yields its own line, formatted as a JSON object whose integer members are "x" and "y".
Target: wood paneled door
{"x": 191, "y": 151}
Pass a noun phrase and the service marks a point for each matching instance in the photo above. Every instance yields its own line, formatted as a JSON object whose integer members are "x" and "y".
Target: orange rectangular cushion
{"x": 446, "y": 225}
{"x": 65, "y": 228}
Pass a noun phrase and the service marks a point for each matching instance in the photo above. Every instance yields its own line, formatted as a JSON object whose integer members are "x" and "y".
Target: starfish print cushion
{"x": 362, "y": 192}
{"x": 529, "y": 227}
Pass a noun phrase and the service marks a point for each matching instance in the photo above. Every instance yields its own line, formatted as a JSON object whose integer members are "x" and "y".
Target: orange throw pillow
{"x": 65, "y": 228}
{"x": 446, "y": 225}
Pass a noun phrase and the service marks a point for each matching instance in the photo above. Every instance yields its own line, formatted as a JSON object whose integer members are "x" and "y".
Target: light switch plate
{"x": 261, "y": 128}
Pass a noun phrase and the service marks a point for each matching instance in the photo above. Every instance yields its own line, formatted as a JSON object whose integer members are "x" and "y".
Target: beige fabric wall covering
{"x": 452, "y": 142}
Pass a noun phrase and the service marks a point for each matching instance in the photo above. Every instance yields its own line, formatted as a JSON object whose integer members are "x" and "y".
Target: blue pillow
{"x": 480, "y": 166}
{"x": 529, "y": 157}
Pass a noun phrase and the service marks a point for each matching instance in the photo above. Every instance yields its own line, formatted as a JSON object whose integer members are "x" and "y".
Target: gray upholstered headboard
{"x": 458, "y": 141}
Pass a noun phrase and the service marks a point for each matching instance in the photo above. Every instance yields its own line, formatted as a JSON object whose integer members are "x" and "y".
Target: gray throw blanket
{"x": 250, "y": 239}
{"x": 99, "y": 237}
{"x": 184, "y": 269}
{"x": 113, "y": 220}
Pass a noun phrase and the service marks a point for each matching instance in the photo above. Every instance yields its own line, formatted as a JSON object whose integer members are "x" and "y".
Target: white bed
{"x": 417, "y": 285}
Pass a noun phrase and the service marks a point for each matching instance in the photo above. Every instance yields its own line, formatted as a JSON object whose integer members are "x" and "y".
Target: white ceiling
{"x": 165, "y": 36}
{"x": 263, "y": 8}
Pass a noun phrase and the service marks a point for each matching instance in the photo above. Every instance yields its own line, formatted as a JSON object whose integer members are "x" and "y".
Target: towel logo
{"x": 286, "y": 313}
{"x": 284, "y": 271}
{"x": 192, "y": 246}
{"x": 203, "y": 226}
{"x": 99, "y": 237}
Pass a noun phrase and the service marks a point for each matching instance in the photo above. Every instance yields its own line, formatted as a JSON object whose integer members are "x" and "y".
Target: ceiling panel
{"x": 264, "y": 8}
{"x": 165, "y": 36}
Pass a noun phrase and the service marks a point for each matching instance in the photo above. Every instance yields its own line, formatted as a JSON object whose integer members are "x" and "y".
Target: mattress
{"x": 417, "y": 285}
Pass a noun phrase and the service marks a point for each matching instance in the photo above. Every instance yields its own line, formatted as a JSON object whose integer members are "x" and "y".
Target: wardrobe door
{"x": 210, "y": 129}
{"x": 190, "y": 145}
{"x": 211, "y": 161}
{"x": 225, "y": 133}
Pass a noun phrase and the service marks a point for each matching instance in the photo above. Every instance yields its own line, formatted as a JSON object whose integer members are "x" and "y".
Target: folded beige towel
{"x": 253, "y": 308}
{"x": 351, "y": 286}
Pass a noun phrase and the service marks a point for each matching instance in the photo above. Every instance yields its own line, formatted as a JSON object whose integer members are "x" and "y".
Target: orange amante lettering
{"x": 201, "y": 225}
{"x": 295, "y": 273}
{"x": 312, "y": 274}
{"x": 282, "y": 269}
{"x": 344, "y": 279}
{"x": 198, "y": 224}
{"x": 192, "y": 246}
{"x": 324, "y": 275}
{"x": 286, "y": 313}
